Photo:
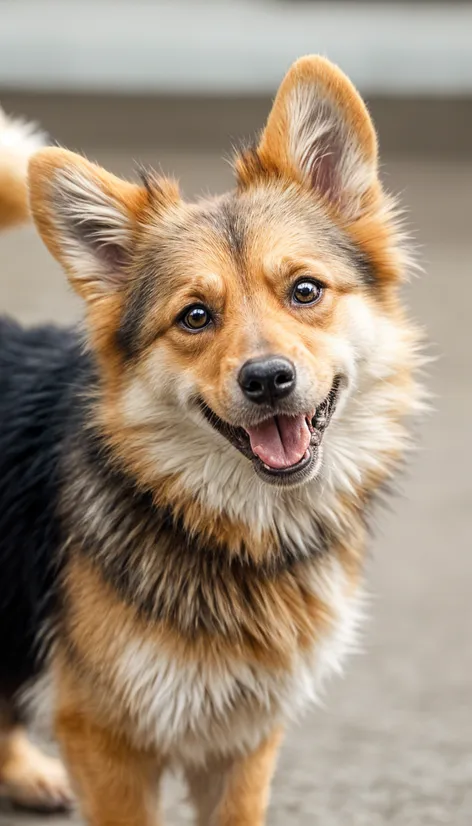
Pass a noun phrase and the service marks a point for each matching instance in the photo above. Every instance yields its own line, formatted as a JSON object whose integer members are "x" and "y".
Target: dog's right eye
{"x": 195, "y": 318}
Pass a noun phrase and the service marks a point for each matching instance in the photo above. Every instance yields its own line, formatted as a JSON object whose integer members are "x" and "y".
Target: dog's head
{"x": 250, "y": 315}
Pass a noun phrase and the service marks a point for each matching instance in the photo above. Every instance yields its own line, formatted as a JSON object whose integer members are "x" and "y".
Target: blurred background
{"x": 176, "y": 84}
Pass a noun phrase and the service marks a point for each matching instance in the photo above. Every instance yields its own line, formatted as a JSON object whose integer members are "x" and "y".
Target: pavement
{"x": 392, "y": 743}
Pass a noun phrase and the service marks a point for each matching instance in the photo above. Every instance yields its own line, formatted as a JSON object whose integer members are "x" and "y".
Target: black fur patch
{"x": 360, "y": 261}
{"x": 37, "y": 369}
{"x": 230, "y": 222}
{"x": 147, "y": 177}
{"x": 139, "y": 300}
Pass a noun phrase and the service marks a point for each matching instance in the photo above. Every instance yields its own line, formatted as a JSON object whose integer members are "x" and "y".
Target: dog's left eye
{"x": 195, "y": 318}
{"x": 306, "y": 291}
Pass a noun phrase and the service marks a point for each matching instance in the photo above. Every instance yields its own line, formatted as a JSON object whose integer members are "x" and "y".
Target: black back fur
{"x": 38, "y": 369}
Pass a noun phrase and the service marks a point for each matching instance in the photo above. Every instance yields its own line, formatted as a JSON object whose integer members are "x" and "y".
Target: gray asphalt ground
{"x": 393, "y": 742}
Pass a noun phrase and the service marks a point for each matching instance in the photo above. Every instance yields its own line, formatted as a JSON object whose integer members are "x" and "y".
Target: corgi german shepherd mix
{"x": 184, "y": 488}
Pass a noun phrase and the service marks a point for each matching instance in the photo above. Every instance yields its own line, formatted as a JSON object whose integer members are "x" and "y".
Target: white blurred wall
{"x": 232, "y": 46}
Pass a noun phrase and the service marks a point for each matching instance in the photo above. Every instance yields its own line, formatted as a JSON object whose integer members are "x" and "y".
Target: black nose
{"x": 265, "y": 380}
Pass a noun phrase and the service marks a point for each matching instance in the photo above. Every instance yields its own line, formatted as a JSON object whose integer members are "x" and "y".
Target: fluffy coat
{"x": 192, "y": 598}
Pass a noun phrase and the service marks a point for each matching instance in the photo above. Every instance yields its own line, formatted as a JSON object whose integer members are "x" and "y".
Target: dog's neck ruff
{"x": 204, "y": 516}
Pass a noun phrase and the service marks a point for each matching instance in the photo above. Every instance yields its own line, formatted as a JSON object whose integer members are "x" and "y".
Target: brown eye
{"x": 196, "y": 318}
{"x": 307, "y": 292}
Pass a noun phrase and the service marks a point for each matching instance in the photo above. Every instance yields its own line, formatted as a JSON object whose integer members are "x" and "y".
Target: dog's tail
{"x": 18, "y": 141}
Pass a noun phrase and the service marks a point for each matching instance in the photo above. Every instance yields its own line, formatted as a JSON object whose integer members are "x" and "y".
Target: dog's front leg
{"x": 116, "y": 785}
{"x": 235, "y": 792}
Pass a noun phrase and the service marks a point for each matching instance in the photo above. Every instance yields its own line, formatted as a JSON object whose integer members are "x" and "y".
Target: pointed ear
{"x": 86, "y": 217}
{"x": 319, "y": 132}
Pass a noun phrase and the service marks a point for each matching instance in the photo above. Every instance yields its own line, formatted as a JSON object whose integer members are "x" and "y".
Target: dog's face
{"x": 247, "y": 314}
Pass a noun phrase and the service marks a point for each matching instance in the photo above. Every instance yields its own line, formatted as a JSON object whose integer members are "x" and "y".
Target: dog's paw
{"x": 34, "y": 780}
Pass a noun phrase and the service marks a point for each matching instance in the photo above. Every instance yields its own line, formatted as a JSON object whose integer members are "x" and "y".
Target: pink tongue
{"x": 281, "y": 441}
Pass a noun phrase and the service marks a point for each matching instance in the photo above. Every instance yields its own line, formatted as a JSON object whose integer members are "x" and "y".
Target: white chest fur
{"x": 190, "y": 709}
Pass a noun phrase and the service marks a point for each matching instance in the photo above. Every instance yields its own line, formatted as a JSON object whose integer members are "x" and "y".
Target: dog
{"x": 186, "y": 483}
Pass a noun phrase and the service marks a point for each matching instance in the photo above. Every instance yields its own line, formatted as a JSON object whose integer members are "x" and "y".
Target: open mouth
{"x": 283, "y": 448}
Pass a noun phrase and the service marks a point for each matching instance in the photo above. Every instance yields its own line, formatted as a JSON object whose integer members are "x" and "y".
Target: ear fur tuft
{"x": 320, "y": 134}
{"x": 86, "y": 217}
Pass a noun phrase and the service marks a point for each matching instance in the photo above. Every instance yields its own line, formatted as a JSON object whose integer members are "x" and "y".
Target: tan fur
{"x": 116, "y": 784}
{"x": 13, "y": 198}
{"x": 29, "y": 777}
{"x": 191, "y": 641}
{"x": 236, "y": 792}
